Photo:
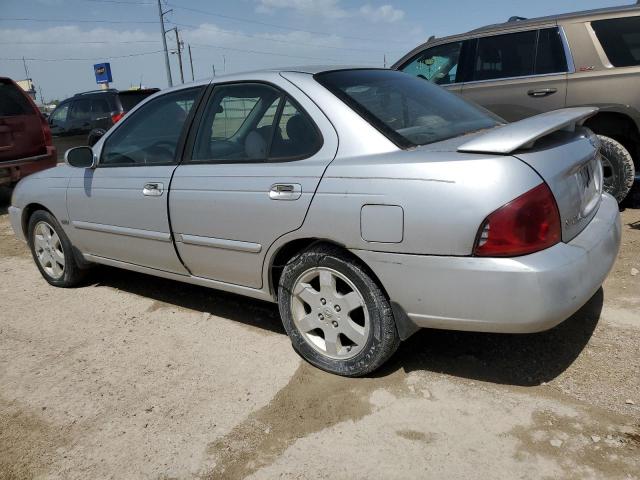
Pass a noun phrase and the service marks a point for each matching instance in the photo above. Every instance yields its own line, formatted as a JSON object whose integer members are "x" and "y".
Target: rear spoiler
{"x": 523, "y": 134}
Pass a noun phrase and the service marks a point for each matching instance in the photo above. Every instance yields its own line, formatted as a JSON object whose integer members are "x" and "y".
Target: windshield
{"x": 408, "y": 110}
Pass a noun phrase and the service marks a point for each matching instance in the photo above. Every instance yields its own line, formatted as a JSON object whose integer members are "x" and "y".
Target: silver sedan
{"x": 367, "y": 203}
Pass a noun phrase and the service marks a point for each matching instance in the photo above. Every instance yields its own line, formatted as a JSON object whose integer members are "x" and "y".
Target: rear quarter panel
{"x": 444, "y": 196}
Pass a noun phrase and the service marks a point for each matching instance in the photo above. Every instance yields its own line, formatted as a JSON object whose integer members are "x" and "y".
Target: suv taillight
{"x": 117, "y": 116}
{"x": 525, "y": 225}
{"x": 46, "y": 132}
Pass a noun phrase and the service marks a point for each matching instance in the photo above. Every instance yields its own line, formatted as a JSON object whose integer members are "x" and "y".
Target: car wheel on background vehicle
{"x": 617, "y": 166}
{"x": 335, "y": 314}
{"x": 52, "y": 251}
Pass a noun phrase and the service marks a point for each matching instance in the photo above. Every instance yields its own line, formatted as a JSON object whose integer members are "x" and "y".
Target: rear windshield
{"x": 620, "y": 39}
{"x": 409, "y": 110}
{"x": 13, "y": 101}
{"x": 131, "y": 99}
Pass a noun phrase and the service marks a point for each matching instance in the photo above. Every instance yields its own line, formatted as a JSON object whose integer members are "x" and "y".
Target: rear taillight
{"x": 117, "y": 116}
{"x": 46, "y": 132}
{"x": 525, "y": 225}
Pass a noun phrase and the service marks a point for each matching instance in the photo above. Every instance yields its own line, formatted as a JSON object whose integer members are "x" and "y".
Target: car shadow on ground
{"x": 524, "y": 360}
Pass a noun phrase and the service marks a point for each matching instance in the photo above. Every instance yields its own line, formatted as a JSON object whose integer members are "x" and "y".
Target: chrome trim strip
{"x": 24, "y": 161}
{"x": 503, "y": 79}
{"x": 596, "y": 43}
{"x": 219, "y": 243}
{"x": 125, "y": 231}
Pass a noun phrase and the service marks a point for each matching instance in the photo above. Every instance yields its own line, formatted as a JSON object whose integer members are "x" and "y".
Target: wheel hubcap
{"x": 48, "y": 250}
{"x": 330, "y": 313}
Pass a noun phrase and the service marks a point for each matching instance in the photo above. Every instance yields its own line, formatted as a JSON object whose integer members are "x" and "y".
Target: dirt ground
{"x": 137, "y": 377}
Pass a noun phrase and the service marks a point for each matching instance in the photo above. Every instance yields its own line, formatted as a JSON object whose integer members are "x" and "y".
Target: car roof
{"x": 522, "y": 23}
{"x": 585, "y": 14}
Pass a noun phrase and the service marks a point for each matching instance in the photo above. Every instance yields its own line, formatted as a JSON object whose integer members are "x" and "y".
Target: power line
{"x": 48, "y": 20}
{"x": 120, "y": 2}
{"x": 81, "y": 43}
{"x": 261, "y": 52}
{"x": 283, "y": 27}
{"x": 277, "y": 40}
{"x": 110, "y": 57}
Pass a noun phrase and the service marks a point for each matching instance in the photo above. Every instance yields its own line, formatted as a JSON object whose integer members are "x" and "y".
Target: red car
{"x": 26, "y": 145}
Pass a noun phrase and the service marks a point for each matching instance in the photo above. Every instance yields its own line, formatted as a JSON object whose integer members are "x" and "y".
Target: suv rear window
{"x": 408, "y": 110}
{"x": 620, "y": 39}
{"x": 131, "y": 99}
{"x": 13, "y": 101}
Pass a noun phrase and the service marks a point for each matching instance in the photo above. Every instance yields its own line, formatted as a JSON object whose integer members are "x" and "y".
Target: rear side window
{"x": 253, "y": 122}
{"x": 100, "y": 106}
{"x": 80, "y": 110}
{"x": 550, "y": 54}
{"x": 505, "y": 56}
{"x": 408, "y": 110}
{"x": 620, "y": 39}
{"x": 437, "y": 64}
{"x": 128, "y": 100}
{"x": 13, "y": 101}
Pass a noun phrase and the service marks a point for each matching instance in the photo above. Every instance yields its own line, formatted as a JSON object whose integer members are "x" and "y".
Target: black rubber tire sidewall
{"x": 383, "y": 338}
{"x": 621, "y": 164}
{"x": 73, "y": 275}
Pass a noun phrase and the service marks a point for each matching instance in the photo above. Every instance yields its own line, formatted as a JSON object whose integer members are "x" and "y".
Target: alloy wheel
{"x": 330, "y": 313}
{"x": 48, "y": 250}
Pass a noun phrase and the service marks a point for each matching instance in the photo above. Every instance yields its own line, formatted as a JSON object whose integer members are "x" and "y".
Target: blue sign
{"x": 103, "y": 72}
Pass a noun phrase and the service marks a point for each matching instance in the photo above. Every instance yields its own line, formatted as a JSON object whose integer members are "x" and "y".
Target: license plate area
{"x": 589, "y": 178}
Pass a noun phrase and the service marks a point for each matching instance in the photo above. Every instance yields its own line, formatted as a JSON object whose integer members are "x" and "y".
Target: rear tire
{"x": 52, "y": 251}
{"x": 618, "y": 168}
{"x": 335, "y": 314}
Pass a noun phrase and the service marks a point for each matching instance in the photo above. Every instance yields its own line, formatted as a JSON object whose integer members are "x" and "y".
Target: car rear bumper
{"x": 13, "y": 170}
{"x": 510, "y": 295}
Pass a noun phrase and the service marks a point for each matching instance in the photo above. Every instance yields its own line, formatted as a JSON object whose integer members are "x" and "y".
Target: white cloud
{"x": 332, "y": 9}
{"x": 383, "y": 13}
{"x": 325, "y": 8}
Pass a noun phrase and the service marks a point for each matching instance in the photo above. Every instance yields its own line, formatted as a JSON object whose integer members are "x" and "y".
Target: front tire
{"x": 618, "y": 168}
{"x": 336, "y": 315}
{"x": 52, "y": 251}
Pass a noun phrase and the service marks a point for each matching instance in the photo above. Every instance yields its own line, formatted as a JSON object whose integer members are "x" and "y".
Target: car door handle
{"x": 543, "y": 92}
{"x": 153, "y": 189}
{"x": 285, "y": 191}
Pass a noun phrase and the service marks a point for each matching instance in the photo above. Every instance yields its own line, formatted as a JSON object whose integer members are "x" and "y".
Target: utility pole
{"x": 384, "y": 60}
{"x": 164, "y": 43}
{"x": 179, "y": 52}
{"x": 213, "y": 67}
{"x": 224, "y": 64}
{"x": 191, "y": 62}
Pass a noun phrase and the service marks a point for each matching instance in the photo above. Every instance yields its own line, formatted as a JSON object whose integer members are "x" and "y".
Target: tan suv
{"x": 528, "y": 66}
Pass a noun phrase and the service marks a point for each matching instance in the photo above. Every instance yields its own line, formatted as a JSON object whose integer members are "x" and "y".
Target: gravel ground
{"x": 138, "y": 377}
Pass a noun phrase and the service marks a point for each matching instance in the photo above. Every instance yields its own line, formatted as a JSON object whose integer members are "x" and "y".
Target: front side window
{"x": 437, "y": 64}
{"x": 253, "y": 122}
{"x": 59, "y": 115}
{"x": 620, "y": 39}
{"x": 151, "y": 134}
{"x": 408, "y": 110}
{"x": 504, "y": 56}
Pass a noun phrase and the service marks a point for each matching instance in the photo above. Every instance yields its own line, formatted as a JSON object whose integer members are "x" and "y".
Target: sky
{"x": 62, "y": 39}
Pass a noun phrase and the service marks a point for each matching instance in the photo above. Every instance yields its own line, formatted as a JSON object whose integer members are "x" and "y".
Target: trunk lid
{"x": 562, "y": 152}
{"x": 570, "y": 164}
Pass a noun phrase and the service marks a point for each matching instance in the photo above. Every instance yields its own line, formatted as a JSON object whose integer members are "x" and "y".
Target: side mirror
{"x": 80, "y": 157}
